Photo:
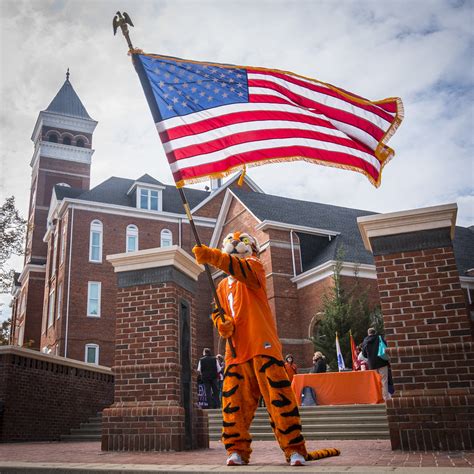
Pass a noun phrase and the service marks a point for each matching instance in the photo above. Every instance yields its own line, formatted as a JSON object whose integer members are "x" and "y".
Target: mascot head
{"x": 240, "y": 244}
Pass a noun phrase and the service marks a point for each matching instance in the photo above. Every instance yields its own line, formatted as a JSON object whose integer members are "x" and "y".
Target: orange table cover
{"x": 341, "y": 388}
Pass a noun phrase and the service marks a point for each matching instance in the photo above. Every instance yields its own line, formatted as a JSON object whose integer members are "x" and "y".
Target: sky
{"x": 419, "y": 50}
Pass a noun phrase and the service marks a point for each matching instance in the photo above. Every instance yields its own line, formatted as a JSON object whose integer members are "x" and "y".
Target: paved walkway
{"x": 357, "y": 456}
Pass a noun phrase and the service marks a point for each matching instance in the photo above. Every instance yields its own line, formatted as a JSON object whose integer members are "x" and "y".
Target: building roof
{"x": 318, "y": 249}
{"x": 67, "y": 102}
{"x": 114, "y": 191}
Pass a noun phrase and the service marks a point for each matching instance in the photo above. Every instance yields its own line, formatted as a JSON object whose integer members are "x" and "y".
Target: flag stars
{"x": 175, "y": 100}
{"x": 210, "y": 98}
{"x": 193, "y": 89}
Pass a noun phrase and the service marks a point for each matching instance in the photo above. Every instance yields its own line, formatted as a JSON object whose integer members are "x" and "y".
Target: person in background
{"x": 220, "y": 371}
{"x": 209, "y": 371}
{"x": 290, "y": 366}
{"x": 361, "y": 362}
{"x": 319, "y": 363}
{"x": 370, "y": 349}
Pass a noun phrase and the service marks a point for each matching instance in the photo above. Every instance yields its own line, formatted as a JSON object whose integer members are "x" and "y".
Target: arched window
{"x": 132, "y": 238}
{"x": 80, "y": 142}
{"x": 95, "y": 242}
{"x": 66, "y": 140}
{"x": 53, "y": 138}
{"x": 64, "y": 184}
{"x": 92, "y": 354}
{"x": 166, "y": 238}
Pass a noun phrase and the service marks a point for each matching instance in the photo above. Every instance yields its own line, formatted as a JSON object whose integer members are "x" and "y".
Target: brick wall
{"x": 427, "y": 329}
{"x": 45, "y": 396}
{"x": 150, "y": 400}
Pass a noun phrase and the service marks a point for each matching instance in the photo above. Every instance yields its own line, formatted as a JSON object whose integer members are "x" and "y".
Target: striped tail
{"x": 322, "y": 453}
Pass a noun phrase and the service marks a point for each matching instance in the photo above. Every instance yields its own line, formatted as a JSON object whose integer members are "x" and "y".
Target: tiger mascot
{"x": 258, "y": 367}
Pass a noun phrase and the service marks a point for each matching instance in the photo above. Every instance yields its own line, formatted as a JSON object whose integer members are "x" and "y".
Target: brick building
{"x": 64, "y": 300}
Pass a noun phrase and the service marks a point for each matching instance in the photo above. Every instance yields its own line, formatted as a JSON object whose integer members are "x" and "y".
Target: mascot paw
{"x": 226, "y": 327}
{"x": 202, "y": 253}
{"x": 322, "y": 453}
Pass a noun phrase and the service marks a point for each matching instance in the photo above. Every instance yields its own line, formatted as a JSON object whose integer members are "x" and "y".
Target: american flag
{"x": 214, "y": 119}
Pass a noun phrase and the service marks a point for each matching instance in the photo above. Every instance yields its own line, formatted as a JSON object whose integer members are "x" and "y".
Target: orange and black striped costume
{"x": 258, "y": 367}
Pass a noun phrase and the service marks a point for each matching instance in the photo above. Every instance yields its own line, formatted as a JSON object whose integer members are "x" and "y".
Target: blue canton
{"x": 182, "y": 88}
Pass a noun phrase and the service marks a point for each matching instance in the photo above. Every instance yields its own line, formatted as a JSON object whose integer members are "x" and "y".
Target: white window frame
{"x": 21, "y": 333}
{"x": 148, "y": 191}
{"x": 132, "y": 231}
{"x": 55, "y": 252}
{"x": 51, "y": 301}
{"x": 59, "y": 301}
{"x": 96, "y": 227}
{"x": 89, "y": 284}
{"x": 166, "y": 235}
{"x": 63, "y": 245}
{"x": 97, "y": 351}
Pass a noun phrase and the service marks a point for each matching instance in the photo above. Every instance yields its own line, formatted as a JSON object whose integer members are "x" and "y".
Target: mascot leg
{"x": 240, "y": 394}
{"x": 283, "y": 408}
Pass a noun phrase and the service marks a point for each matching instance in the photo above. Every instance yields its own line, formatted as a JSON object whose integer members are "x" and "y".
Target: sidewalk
{"x": 364, "y": 456}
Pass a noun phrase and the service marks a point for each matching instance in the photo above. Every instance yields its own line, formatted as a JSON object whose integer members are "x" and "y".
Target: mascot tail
{"x": 322, "y": 453}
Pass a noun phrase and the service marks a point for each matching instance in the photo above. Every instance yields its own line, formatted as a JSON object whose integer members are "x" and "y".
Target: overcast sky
{"x": 419, "y": 50}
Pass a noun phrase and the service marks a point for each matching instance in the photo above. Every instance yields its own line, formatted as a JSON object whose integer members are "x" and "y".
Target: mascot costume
{"x": 258, "y": 367}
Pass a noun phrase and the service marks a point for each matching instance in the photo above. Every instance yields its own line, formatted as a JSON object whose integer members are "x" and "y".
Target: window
{"x": 66, "y": 140}
{"x": 63, "y": 245}
{"x": 60, "y": 298}
{"x": 80, "y": 143}
{"x": 95, "y": 246}
{"x": 53, "y": 138}
{"x": 23, "y": 302}
{"x": 93, "y": 299}
{"x": 148, "y": 199}
{"x": 166, "y": 238}
{"x": 55, "y": 252}
{"x": 51, "y": 308}
{"x": 132, "y": 238}
{"x": 92, "y": 354}
{"x": 21, "y": 334}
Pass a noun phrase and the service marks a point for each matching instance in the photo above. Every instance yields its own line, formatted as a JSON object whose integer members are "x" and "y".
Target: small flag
{"x": 340, "y": 360}
{"x": 353, "y": 352}
{"x": 214, "y": 119}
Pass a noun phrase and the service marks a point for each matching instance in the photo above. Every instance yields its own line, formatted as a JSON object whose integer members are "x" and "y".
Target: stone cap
{"x": 155, "y": 258}
{"x": 403, "y": 222}
{"x": 53, "y": 359}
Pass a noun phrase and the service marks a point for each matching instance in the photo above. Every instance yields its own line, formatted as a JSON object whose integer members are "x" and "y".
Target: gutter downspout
{"x": 68, "y": 284}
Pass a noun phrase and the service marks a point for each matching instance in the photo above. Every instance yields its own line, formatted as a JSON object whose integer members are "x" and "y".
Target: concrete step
{"x": 317, "y": 419}
{"x": 81, "y": 437}
{"x": 383, "y": 434}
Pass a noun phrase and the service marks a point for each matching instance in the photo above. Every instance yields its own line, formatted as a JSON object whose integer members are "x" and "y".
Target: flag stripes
{"x": 264, "y": 116}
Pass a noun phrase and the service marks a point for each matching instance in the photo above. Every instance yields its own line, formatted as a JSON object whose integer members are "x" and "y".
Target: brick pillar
{"x": 427, "y": 328}
{"x": 155, "y": 355}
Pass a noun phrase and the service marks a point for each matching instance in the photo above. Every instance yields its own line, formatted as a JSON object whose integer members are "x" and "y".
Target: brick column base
{"x": 427, "y": 328}
{"x": 144, "y": 427}
{"x": 155, "y": 393}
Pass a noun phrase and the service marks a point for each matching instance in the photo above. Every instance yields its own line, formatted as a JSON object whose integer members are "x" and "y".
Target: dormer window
{"x": 148, "y": 199}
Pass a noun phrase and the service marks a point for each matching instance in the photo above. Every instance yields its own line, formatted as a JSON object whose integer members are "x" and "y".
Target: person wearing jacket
{"x": 290, "y": 366}
{"x": 319, "y": 363}
{"x": 370, "y": 349}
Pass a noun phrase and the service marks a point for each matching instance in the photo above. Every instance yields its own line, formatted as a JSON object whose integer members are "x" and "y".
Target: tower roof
{"x": 67, "y": 102}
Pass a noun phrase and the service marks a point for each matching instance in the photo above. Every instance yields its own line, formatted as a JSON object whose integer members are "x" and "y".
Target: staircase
{"x": 320, "y": 422}
{"x": 89, "y": 431}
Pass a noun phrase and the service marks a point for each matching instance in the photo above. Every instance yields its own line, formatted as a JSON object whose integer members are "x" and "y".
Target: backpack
{"x": 308, "y": 397}
{"x": 382, "y": 348}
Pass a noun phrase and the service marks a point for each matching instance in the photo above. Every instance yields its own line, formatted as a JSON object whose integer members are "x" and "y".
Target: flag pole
{"x": 122, "y": 20}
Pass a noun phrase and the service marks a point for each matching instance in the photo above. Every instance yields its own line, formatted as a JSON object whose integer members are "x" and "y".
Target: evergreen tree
{"x": 344, "y": 310}
{"x": 5, "y": 332}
